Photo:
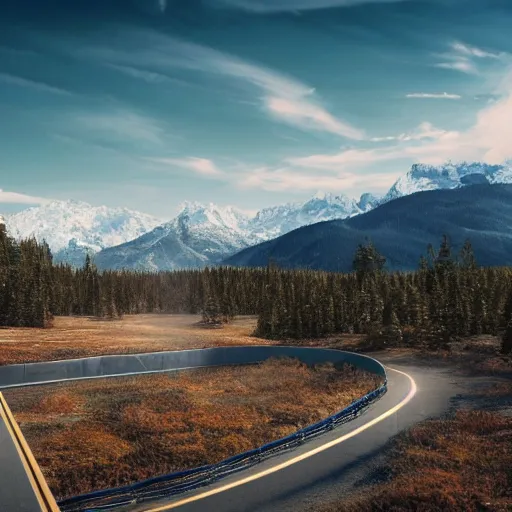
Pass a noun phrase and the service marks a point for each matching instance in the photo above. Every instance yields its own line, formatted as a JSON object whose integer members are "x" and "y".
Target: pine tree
{"x": 211, "y": 311}
{"x": 367, "y": 260}
{"x": 466, "y": 256}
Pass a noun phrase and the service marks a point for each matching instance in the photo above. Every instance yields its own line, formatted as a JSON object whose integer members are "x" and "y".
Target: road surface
{"x": 323, "y": 468}
{"x": 341, "y": 467}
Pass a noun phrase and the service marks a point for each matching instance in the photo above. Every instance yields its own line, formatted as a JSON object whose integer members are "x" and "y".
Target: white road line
{"x": 299, "y": 458}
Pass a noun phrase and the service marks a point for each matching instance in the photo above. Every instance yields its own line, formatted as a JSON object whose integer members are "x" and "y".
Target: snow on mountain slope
{"x": 203, "y": 235}
{"x": 74, "y": 227}
{"x": 423, "y": 177}
{"x": 278, "y": 220}
{"x": 199, "y": 235}
{"x": 206, "y": 234}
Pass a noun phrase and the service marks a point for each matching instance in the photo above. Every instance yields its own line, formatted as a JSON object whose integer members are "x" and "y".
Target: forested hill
{"x": 400, "y": 230}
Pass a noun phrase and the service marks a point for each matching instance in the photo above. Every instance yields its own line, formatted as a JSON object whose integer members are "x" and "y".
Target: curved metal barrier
{"x": 176, "y": 483}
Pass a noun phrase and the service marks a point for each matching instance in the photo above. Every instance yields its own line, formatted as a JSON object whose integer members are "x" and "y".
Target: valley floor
{"x": 464, "y": 457}
{"x": 75, "y": 337}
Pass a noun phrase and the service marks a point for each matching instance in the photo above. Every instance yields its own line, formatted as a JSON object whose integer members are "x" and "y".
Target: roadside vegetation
{"x": 103, "y": 433}
{"x": 448, "y": 312}
{"x": 461, "y": 463}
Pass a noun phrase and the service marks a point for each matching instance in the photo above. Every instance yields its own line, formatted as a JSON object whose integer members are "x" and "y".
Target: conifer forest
{"x": 446, "y": 298}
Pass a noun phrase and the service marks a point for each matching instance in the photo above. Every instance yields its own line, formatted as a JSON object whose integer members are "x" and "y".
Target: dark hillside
{"x": 401, "y": 230}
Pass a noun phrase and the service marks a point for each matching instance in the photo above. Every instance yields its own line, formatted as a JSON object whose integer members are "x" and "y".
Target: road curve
{"x": 342, "y": 466}
{"x": 332, "y": 463}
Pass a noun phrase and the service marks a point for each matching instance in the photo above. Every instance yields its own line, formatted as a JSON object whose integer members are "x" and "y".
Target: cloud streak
{"x": 461, "y": 57}
{"x": 119, "y": 124}
{"x": 289, "y": 179}
{"x": 283, "y": 98}
{"x": 31, "y": 84}
{"x": 423, "y": 131}
{"x": 435, "y": 96}
{"x": 17, "y": 198}
{"x": 273, "y": 6}
{"x": 201, "y": 166}
{"x": 462, "y": 65}
{"x": 143, "y": 74}
{"x": 473, "y": 51}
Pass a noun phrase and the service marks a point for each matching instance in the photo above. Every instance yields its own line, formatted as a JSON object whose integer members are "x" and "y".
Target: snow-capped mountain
{"x": 206, "y": 234}
{"x": 73, "y": 228}
{"x": 278, "y": 220}
{"x": 423, "y": 177}
{"x": 202, "y": 235}
{"x": 199, "y": 235}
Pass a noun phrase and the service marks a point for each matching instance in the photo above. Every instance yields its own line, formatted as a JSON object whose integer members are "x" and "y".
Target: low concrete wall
{"x": 129, "y": 364}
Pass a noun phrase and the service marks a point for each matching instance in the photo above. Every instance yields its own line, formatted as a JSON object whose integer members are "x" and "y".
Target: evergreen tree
{"x": 367, "y": 260}
{"x": 466, "y": 256}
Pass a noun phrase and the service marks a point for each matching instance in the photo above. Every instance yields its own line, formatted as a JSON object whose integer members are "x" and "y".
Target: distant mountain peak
{"x": 449, "y": 175}
{"x": 60, "y": 223}
{"x": 204, "y": 233}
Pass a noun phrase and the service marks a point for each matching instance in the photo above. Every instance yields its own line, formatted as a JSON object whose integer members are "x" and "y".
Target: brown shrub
{"x": 459, "y": 464}
{"x": 101, "y": 433}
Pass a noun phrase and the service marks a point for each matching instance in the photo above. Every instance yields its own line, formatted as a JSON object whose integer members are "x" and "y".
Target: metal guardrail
{"x": 133, "y": 364}
{"x": 183, "y": 481}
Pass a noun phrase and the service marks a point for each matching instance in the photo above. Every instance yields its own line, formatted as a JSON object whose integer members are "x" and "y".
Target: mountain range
{"x": 207, "y": 234}
{"x": 401, "y": 230}
{"x": 74, "y": 228}
{"x": 203, "y": 235}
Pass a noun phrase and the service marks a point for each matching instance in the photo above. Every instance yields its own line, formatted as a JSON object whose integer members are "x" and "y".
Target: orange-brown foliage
{"x": 102, "y": 433}
{"x": 460, "y": 464}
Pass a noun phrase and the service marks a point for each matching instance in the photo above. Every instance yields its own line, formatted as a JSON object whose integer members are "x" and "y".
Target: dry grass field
{"x": 74, "y": 337}
{"x": 134, "y": 427}
{"x": 458, "y": 464}
{"x": 103, "y": 433}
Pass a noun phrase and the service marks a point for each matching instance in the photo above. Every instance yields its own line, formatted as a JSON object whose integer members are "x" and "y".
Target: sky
{"x": 148, "y": 103}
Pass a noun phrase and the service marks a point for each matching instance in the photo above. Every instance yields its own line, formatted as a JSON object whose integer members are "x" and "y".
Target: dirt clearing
{"x": 74, "y": 337}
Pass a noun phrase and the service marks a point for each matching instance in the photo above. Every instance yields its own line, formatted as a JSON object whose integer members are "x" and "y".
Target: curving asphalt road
{"x": 13, "y": 475}
{"x": 341, "y": 467}
{"x": 333, "y": 463}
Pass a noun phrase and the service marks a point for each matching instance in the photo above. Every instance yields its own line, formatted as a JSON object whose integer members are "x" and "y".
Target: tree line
{"x": 446, "y": 298}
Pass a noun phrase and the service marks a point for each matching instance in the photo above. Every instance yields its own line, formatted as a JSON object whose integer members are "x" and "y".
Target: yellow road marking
{"x": 299, "y": 458}
{"x": 34, "y": 474}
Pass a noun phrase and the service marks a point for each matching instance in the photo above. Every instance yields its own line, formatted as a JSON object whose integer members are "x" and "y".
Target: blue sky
{"x": 147, "y": 103}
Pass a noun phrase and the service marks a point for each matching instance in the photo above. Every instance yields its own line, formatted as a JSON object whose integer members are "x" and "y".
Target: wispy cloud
{"x": 289, "y": 179}
{"x": 202, "y": 166}
{"x": 38, "y": 86}
{"x": 150, "y": 77}
{"x": 435, "y": 96}
{"x": 283, "y": 97}
{"x": 423, "y": 131}
{"x": 487, "y": 140}
{"x": 462, "y": 65}
{"x": 269, "y": 6}
{"x": 302, "y": 113}
{"x": 461, "y": 57}
{"x": 119, "y": 124}
{"x": 473, "y": 51}
{"x": 17, "y": 198}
